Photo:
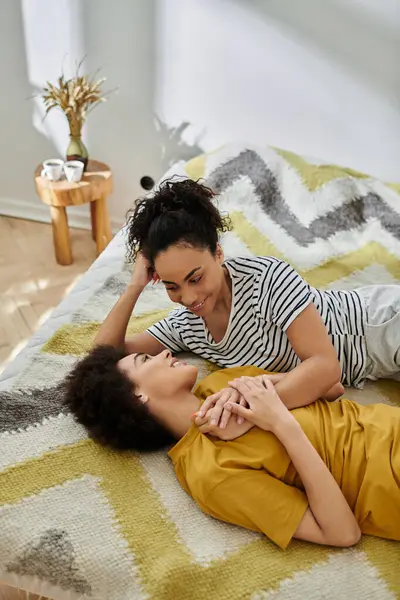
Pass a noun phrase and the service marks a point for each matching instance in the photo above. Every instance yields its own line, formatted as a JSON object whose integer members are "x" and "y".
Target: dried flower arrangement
{"x": 76, "y": 97}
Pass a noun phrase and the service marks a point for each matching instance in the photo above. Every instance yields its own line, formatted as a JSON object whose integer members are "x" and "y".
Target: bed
{"x": 81, "y": 521}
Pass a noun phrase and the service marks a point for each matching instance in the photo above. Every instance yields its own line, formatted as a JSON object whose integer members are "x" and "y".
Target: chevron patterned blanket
{"x": 81, "y": 521}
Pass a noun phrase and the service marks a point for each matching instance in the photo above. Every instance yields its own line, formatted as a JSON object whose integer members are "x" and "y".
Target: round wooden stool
{"x": 95, "y": 186}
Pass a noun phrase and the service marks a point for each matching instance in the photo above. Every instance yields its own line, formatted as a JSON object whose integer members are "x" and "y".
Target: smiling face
{"x": 160, "y": 376}
{"x": 192, "y": 276}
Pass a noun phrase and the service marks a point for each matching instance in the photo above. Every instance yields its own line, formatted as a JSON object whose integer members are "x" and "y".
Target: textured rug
{"x": 81, "y": 521}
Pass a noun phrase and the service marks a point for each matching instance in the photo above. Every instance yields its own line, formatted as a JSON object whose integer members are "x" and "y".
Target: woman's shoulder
{"x": 252, "y": 261}
{"x": 252, "y": 265}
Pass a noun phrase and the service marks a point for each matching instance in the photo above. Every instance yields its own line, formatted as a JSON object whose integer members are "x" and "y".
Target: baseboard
{"x": 20, "y": 209}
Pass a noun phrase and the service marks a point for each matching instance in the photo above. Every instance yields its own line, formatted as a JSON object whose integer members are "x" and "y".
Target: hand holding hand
{"x": 266, "y": 409}
{"x": 231, "y": 431}
{"x": 215, "y": 404}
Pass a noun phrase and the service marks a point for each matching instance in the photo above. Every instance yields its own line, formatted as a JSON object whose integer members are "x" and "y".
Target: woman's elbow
{"x": 333, "y": 370}
{"x": 352, "y": 538}
{"x": 334, "y": 392}
{"x": 339, "y": 389}
{"x": 348, "y": 538}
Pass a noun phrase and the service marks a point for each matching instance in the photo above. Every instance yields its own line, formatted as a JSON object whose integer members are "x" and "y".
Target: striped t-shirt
{"x": 267, "y": 296}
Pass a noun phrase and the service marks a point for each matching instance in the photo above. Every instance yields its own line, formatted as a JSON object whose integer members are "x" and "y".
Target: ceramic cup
{"x": 53, "y": 168}
{"x": 73, "y": 170}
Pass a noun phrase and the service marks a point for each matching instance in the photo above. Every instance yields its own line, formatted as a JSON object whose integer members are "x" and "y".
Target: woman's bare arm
{"x": 113, "y": 331}
{"x": 319, "y": 370}
{"x": 333, "y": 394}
{"x": 329, "y": 519}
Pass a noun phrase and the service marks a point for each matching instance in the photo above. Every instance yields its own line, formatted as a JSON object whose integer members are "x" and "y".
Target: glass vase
{"x": 77, "y": 150}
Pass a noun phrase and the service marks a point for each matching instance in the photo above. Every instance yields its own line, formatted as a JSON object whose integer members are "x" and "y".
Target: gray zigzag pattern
{"x": 352, "y": 214}
{"x": 52, "y": 559}
{"x": 21, "y": 408}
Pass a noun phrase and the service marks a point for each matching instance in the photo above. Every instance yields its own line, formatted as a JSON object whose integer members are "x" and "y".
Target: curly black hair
{"x": 178, "y": 212}
{"x": 103, "y": 400}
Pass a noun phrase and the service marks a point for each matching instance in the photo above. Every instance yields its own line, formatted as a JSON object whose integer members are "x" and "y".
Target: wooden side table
{"x": 95, "y": 187}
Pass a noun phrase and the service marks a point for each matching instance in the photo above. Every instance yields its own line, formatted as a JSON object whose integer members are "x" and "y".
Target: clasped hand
{"x": 253, "y": 400}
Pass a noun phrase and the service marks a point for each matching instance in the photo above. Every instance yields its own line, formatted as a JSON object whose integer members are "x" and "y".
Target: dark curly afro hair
{"x": 179, "y": 212}
{"x": 103, "y": 400}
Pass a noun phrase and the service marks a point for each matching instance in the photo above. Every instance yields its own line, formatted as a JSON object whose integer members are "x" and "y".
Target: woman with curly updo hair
{"x": 248, "y": 310}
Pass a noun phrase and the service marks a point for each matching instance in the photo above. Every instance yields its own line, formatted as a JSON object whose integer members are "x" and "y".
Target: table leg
{"x": 102, "y": 228}
{"x": 93, "y": 219}
{"x": 62, "y": 245}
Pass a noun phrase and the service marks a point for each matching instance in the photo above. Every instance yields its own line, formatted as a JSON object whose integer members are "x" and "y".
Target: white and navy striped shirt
{"x": 267, "y": 296}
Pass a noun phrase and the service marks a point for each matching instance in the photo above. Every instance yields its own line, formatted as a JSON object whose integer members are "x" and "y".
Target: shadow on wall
{"x": 22, "y": 146}
{"x": 172, "y": 147}
{"x": 364, "y": 39}
{"x": 172, "y": 143}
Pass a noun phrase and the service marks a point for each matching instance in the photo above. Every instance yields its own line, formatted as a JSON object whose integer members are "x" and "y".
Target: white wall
{"x": 316, "y": 77}
{"x": 321, "y": 78}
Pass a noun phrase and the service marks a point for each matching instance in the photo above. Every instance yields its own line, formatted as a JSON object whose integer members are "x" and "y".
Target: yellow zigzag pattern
{"x": 77, "y": 340}
{"x": 196, "y": 167}
{"x": 322, "y": 275}
{"x": 313, "y": 176}
{"x": 153, "y": 539}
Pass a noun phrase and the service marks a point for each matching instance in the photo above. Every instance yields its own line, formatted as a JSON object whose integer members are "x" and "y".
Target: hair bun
{"x": 169, "y": 200}
{"x": 172, "y": 206}
{"x": 178, "y": 210}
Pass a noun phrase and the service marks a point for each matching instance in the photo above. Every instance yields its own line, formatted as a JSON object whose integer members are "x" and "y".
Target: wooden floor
{"x": 31, "y": 285}
{"x": 31, "y": 282}
{"x": 7, "y": 593}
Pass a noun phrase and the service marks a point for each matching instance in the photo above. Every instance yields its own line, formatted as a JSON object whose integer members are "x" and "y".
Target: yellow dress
{"x": 251, "y": 481}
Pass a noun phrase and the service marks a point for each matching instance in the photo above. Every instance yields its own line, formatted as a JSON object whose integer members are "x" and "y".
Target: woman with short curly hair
{"x": 323, "y": 473}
